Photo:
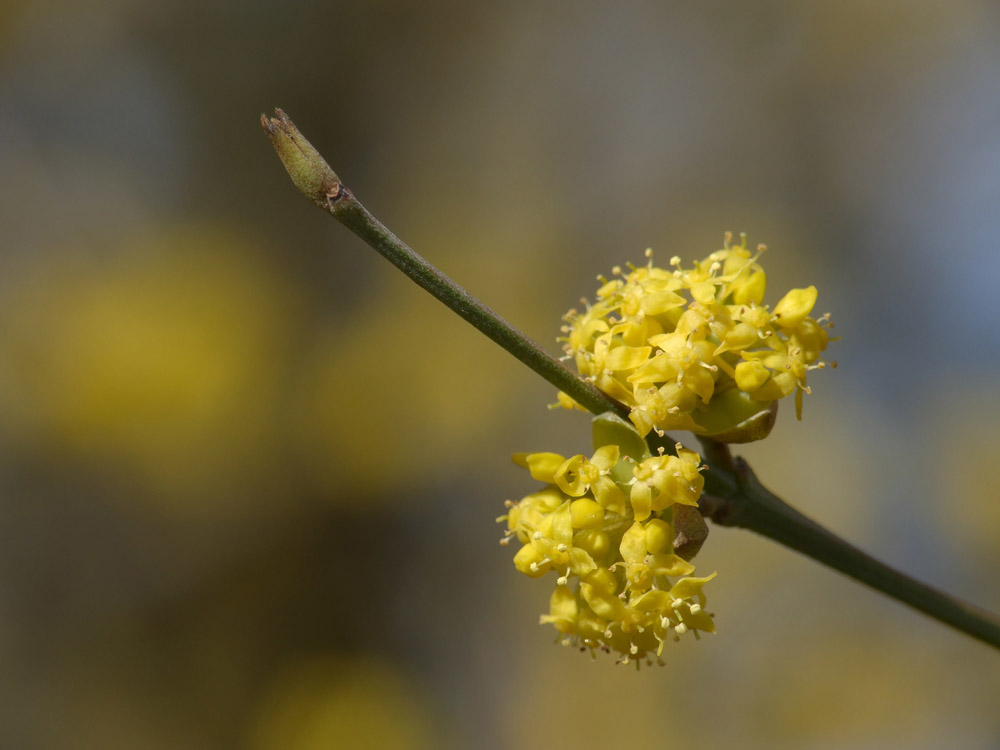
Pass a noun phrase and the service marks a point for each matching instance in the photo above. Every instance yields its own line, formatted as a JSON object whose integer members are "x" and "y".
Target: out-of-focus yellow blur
{"x": 249, "y": 474}
{"x": 162, "y": 363}
{"x": 329, "y": 703}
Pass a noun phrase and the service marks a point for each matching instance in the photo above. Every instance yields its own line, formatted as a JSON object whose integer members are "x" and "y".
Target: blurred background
{"x": 249, "y": 472}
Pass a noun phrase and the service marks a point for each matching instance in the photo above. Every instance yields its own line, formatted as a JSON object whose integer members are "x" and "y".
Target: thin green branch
{"x": 357, "y": 218}
{"x": 752, "y": 506}
{"x": 734, "y": 496}
{"x": 314, "y": 179}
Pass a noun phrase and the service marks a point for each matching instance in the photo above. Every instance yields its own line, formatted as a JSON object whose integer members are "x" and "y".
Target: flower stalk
{"x": 733, "y": 494}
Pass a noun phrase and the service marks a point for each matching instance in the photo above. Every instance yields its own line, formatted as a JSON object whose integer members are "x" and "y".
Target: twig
{"x": 733, "y": 494}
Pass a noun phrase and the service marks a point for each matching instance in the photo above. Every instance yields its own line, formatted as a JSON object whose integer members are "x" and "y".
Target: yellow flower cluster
{"x": 604, "y": 526}
{"x": 682, "y": 348}
{"x": 695, "y": 348}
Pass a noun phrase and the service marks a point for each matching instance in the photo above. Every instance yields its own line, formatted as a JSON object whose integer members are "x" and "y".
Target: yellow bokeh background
{"x": 249, "y": 473}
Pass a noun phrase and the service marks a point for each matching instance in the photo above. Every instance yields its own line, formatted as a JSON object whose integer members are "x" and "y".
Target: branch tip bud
{"x": 309, "y": 171}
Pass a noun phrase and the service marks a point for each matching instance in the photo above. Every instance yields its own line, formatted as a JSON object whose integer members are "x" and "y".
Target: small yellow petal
{"x": 794, "y": 307}
{"x": 689, "y": 587}
{"x": 609, "y": 495}
{"x": 542, "y": 466}
{"x": 657, "y": 303}
{"x": 655, "y": 600}
{"x": 751, "y": 374}
{"x": 704, "y": 292}
{"x": 752, "y": 290}
{"x": 606, "y": 457}
{"x": 562, "y": 525}
{"x": 740, "y": 336}
{"x": 633, "y": 546}
{"x": 627, "y": 357}
{"x": 670, "y": 565}
{"x": 698, "y": 621}
{"x": 580, "y": 562}
{"x": 641, "y": 498}
{"x": 657, "y": 370}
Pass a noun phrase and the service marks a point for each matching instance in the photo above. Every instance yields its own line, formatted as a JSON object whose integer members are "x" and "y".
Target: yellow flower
{"x": 659, "y": 482}
{"x": 577, "y": 475}
{"x": 550, "y": 545}
{"x": 642, "y": 564}
{"x": 671, "y": 343}
{"x": 620, "y": 586}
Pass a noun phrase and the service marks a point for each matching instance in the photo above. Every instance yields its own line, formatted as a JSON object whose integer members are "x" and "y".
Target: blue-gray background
{"x": 249, "y": 473}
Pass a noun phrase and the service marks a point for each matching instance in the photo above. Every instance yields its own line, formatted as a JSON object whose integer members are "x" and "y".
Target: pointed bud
{"x": 308, "y": 170}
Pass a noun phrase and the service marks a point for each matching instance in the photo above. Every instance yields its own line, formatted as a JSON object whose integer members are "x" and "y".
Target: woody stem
{"x": 734, "y": 496}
